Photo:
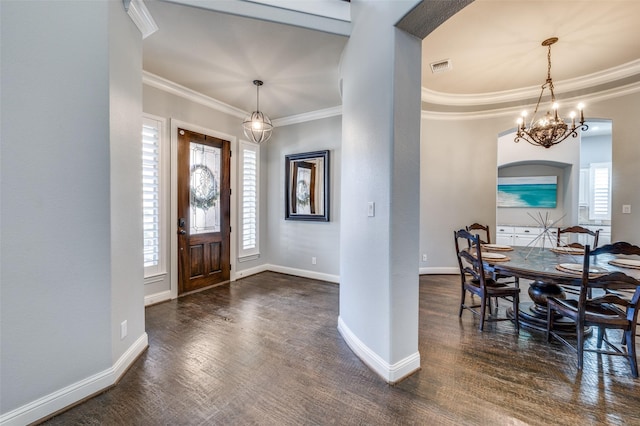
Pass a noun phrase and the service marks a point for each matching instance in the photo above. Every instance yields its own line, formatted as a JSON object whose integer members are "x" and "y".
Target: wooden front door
{"x": 203, "y": 211}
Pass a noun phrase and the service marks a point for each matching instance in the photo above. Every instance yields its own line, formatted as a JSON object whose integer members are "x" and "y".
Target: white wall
{"x": 291, "y": 244}
{"x": 70, "y": 98}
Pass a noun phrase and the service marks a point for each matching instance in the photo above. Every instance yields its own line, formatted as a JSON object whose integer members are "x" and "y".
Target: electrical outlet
{"x": 313, "y": 260}
{"x": 424, "y": 257}
{"x": 123, "y": 329}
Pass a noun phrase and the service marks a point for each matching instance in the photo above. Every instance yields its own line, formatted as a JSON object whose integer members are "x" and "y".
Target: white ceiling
{"x": 493, "y": 45}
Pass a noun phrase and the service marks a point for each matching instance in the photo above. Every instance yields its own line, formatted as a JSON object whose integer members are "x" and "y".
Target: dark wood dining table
{"x": 540, "y": 266}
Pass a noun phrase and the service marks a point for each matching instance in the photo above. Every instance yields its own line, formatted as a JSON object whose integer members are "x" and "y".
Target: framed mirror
{"x": 307, "y": 186}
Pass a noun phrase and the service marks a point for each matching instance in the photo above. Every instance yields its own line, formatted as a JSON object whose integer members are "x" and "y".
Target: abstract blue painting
{"x": 528, "y": 191}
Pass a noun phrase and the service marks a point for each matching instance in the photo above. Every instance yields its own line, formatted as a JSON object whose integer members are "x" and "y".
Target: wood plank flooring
{"x": 265, "y": 350}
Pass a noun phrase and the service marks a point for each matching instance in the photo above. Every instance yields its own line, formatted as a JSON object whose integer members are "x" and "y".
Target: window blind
{"x": 249, "y": 199}
{"x": 151, "y": 192}
{"x": 600, "y": 194}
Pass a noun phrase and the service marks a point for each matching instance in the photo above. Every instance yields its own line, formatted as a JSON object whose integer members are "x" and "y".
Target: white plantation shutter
{"x": 151, "y": 196}
{"x": 249, "y": 160}
{"x": 600, "y": 194}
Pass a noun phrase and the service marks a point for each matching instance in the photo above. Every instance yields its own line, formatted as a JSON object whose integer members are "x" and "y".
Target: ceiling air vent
{"x": 441, "y": 66}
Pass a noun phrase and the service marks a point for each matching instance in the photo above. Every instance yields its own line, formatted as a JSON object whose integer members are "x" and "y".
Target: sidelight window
{"x": 152, "y": 196}
{"x": 249, "y": 168}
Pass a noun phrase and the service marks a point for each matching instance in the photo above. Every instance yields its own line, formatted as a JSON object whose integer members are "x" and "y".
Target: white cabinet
{"x": 524, "y": 236}
{"x": 504, "y": 235}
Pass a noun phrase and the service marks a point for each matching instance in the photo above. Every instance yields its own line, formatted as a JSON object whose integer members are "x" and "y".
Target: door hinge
{"x": 231, "y": 266}
{"x": 230, "y": 229}
{"x": 230, "y": 190}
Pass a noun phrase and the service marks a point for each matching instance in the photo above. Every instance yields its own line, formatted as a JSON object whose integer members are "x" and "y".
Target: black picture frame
{"x": 306, "y": 186}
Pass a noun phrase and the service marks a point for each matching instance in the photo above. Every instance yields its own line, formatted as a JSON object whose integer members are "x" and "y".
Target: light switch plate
{"x": 371, "y": 209}
{"x": 626, "y": 208}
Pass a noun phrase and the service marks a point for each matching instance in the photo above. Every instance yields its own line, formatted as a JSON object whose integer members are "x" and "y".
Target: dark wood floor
{"x": 266, "y": 351}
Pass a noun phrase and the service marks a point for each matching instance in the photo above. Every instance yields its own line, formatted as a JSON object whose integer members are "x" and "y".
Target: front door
{"x": 203, "y": 211}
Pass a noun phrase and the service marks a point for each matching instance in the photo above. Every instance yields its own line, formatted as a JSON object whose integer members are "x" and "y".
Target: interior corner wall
{"x": 55, "y": 303}
{"x": 291, "y": 244}
{"x": 125, "y": 124}
{"x": 625, "y": 149}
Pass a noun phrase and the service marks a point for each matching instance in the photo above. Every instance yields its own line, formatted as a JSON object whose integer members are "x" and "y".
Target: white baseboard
{"x": 440, "y": 270}
{"x": 250, "y": 271}
{"x": 162, "y": 296}
{"x": 289, "y": 271}
{"x": 391, "y": 373}
{"x": 67, "y": 396}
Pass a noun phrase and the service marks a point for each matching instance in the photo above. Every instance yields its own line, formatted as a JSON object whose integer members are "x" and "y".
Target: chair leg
{"x": 462, "y": 302}
{"x": 631, "y": 352}
{"x": 516, "y": 312}
{"x": 549, "y": 322}
{"x": 483, "y": 308}
{"x": 580, "y": 345}
{"x": 601, "y": 335}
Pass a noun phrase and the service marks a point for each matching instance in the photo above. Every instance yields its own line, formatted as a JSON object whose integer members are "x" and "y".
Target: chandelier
{"x": 550, "y": 129}
{"x": 257, "y": 126}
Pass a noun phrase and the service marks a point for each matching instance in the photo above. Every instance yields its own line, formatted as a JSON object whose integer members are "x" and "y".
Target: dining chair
{"x": 476, "y": 279}
{"x": 487, "y": 240}
{"x": 608, "y": 310}
{"x": 577, "y": 230}
{"x": 484, "y": 228}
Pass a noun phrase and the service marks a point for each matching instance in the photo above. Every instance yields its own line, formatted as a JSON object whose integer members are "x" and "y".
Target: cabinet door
{"x": 504, "y": 239}
{"x": 526, "y": 240}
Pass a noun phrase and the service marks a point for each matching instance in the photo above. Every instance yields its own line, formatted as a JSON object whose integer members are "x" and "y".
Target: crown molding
{"x": 169, "y": 86}
{"x": 140, "y": 15}
{"x": 515, "y": 110}
{"x": 591, "y": 80}
{"x": 308, "y": 116}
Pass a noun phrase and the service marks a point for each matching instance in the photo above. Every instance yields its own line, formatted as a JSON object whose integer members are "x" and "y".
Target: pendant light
{"x": 257, "y": 126}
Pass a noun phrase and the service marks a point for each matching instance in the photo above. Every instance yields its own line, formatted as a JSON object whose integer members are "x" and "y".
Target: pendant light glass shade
{"x": 257, "y": 126}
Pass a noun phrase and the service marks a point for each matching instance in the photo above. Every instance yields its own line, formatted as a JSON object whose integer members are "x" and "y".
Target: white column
{"x": 380, "y": 164}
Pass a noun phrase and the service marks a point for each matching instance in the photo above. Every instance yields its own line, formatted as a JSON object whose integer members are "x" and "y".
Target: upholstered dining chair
{"x": 610, "y": 310}
{"x": 578, "y": 230}
{"x": 475, "y": 279}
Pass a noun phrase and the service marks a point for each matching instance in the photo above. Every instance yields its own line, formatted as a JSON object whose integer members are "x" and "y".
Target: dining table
{"x": 554, "y": 272}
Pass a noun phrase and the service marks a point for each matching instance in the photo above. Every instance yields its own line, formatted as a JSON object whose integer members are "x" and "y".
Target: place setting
{"x": 567, "y": 250}
{"x": 495, "y": 257}
{"x": 576, "y": 269}
{"x": 625, "y": 263}
{"x": 496, "y": 247}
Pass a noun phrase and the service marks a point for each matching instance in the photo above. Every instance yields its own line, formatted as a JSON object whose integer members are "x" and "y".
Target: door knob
{"x": 182, "y": 232}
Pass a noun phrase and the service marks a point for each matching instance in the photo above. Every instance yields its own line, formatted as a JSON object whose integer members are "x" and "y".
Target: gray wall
{"x": 71, "y": 273}
{"x": 291, "y": 244}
